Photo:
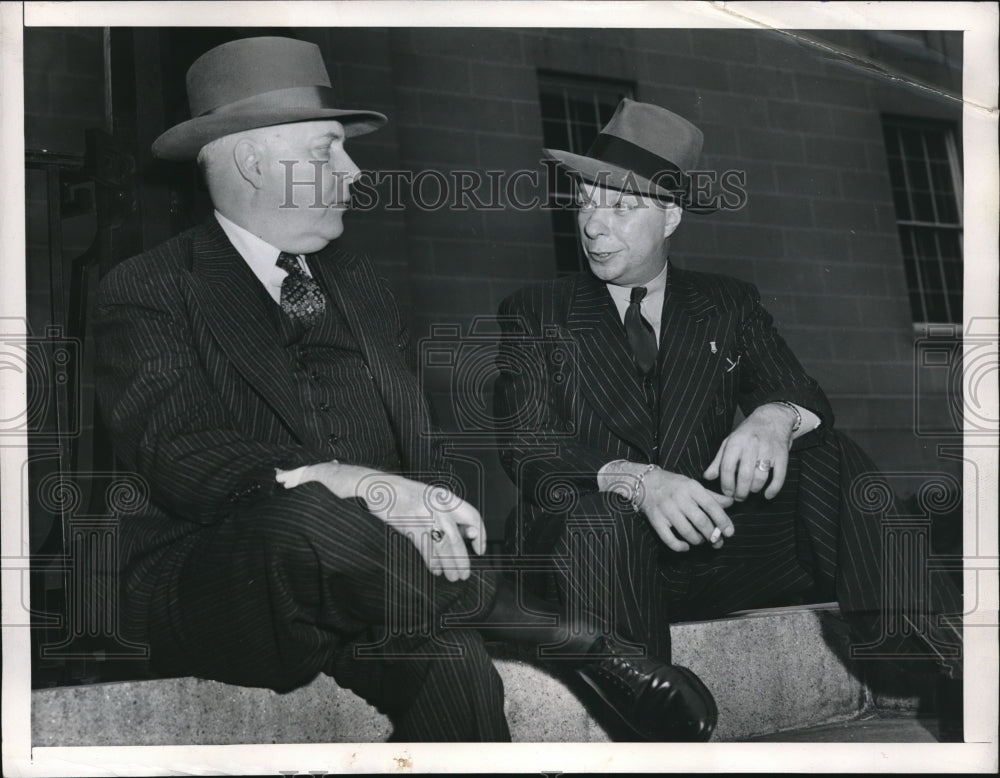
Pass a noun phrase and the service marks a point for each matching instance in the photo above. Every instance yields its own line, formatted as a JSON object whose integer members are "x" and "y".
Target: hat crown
{"x": 245, "y": 68}
{"x": 658, "y": 131}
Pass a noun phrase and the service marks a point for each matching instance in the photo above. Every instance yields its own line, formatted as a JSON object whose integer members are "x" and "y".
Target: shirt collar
{"x": 654, "y": 288}
{"x": 261, "y": 257}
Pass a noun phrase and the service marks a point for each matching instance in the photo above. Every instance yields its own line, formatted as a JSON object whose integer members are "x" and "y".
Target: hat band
{"x": 625, "y": 154}
{"x": 280, "y": 99}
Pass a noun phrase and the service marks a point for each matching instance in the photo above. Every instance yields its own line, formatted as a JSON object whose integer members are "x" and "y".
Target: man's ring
{"x": 764, "y": 465}
{"x": 437, "y": 535}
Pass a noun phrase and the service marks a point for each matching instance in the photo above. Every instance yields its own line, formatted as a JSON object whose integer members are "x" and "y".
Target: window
{"x": 926, "y": 189}
{"x": 573, "y": 112}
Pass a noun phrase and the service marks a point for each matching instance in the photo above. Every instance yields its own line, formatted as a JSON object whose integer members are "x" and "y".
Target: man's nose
{"x": 353, "y": 171}
{"x": 346, "y": 172}
{"x": 594, "y": 224}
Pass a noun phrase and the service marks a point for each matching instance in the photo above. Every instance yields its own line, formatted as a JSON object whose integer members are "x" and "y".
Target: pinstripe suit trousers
{"x": 284, "y": 589}
{"x": 813, "y": 542}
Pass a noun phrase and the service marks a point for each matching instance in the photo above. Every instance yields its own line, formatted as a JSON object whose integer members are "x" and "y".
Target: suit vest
{"x": 343, "y": 410}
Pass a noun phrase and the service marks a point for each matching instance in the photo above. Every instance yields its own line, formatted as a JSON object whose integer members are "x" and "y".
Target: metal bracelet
{"x": 795, "y": 410}
{"x": 634, "y": 499}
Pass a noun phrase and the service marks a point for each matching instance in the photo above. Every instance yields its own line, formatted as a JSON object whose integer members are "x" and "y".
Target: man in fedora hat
{"x": 617, "y": 397}
{"x": 261, "y": 382}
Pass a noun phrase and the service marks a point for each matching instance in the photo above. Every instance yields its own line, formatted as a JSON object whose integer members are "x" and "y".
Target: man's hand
{"x": 675, "y": 503}
{"x": 434, "y": 518}
{"x": 764, "y": 436}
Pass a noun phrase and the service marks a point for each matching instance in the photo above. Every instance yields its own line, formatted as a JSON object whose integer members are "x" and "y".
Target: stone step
{"x": 769, "y": 670}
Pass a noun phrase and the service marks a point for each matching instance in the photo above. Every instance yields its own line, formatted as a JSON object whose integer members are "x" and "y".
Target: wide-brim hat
{"x": 257, "y": 82}
{"x": 644, "y": 149}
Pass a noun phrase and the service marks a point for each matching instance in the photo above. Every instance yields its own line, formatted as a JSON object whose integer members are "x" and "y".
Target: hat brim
{"x": 186, "y": 139}
{"x": 611, "y": 176}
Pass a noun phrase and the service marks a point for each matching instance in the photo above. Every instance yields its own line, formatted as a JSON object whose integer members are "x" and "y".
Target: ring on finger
{"x": 764, "y": 465}
{"x": 437, "y": 535}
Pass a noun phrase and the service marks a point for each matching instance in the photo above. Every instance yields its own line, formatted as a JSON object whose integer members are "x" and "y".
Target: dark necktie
{"x": 301, "y": 297}
{"x": 640, "y": 332}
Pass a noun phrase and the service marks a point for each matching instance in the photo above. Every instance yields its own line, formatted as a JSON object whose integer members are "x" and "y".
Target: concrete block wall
{"x": 817, "y": 234}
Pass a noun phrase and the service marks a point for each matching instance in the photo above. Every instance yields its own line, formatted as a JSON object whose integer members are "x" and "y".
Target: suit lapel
{"x": 230, "y": 298}
{"x": 689, "y": 368}
{"x": 352, "y": 285}
{"x": 608, "y": 377}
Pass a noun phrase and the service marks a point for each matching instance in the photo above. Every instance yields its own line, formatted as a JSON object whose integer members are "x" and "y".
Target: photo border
{"x": 979, "y": 22}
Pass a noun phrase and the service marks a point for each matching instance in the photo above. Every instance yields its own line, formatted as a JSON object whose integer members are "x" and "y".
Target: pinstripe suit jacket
{"x": 569, "y": 397}
{"x": 196, "y": 390}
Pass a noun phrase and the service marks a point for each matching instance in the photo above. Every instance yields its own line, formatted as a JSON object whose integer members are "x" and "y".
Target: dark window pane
{"x": 941, "y": 177}
{"x": 923, "y": 206}
{"x": 955, "y": 301}
{"x": 566, "y": 243}
{"x": 554, "y": 134}
{"x": 902, "y": 203}
{"x": 951, "y": 246}
{"x": 607, "y": 110}
{"x": 896, "y": 172}
{"x": 916, "y": 173}
{"x": 912, "y": 148}
{"x": 551, "y": 104}
{"x": 946, "y": 208}
{"x": 935, "y": 142}
{"x": 952, "y": 277}
{"x": 573, "y": 112}
{"x": 587, "y": 136}
{"x": 891, "y": 141}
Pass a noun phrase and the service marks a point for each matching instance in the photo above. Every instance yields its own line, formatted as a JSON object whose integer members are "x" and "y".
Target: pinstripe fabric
{"x": 719, "y": 352}
{"x": 342, "y": 410}
{"x": 225, "y": 574}
{"x": 590, "y": 405}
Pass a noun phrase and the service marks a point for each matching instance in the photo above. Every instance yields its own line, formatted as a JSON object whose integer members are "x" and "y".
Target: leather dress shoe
{"x": 656, "y": 700}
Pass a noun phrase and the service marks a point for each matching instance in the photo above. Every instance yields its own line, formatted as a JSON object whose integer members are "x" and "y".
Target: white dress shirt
{"x": 260, "y": 256}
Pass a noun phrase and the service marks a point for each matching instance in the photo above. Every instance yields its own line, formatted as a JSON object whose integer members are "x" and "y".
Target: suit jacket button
{"x": 324, "y": 406}
{"x": 332, "y": 438}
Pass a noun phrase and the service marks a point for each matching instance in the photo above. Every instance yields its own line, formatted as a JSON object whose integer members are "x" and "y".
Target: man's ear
{"x": 249, "y": 161}
{"x": 672, "y": 220}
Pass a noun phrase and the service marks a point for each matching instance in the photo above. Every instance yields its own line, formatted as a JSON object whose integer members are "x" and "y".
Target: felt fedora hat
{"x": 644, "y": 149}
{"x": 257, "y": 82}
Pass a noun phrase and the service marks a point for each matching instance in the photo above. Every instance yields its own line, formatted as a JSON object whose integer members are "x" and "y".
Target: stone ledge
{"x": 769, "y": 671}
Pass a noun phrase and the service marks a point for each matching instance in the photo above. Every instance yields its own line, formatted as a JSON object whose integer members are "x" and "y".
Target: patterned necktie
{"x": 640, "y": 332}
{"x": 301, "y": 297}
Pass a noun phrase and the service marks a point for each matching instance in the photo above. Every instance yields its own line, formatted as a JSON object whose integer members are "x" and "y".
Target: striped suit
{"x": 229, "y": 576}
{"x": 570, "y": 399}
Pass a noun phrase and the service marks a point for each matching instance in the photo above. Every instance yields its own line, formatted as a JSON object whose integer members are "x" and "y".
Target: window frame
{"x": 906, "y": 229}
{"x": 562, "y": 200}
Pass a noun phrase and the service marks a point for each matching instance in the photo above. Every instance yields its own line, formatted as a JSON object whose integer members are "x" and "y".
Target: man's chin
{"x": 330, "y": 231}
{"x": 603, "y": 271}
{"x": 318, "y": 242}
